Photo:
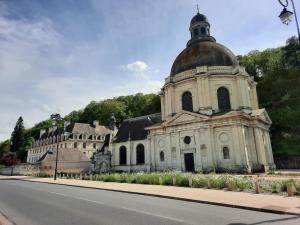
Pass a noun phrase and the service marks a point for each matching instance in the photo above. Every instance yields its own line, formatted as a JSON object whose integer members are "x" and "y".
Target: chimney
{"x": 42, "y": 131}
{"x": 96, "y": 123}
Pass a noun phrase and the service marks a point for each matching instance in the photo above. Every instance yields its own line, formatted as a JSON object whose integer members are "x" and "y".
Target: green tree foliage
{"x": 278, "y": 74}
{"x": 74, "y": 116}
{"x": 18, "y": 136}
{"x": 122, "y": 107}
{"x": 4, "y": 147}
{"x": 34, "y": 132}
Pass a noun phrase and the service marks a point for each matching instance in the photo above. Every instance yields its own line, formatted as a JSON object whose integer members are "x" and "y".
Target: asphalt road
{"x": 28, "y": 203}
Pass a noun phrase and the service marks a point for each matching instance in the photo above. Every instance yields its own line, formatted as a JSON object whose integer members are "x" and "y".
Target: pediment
{"x": 185, "y": 117}
{"x": 262, "y": 115}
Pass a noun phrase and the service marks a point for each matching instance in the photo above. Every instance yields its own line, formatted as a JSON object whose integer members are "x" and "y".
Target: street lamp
{"x": 286, "y": 15}
{"x": 55, "y": 117}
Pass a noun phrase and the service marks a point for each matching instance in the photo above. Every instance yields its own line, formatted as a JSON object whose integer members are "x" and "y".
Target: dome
{"x": 202, "y": 49}
{"x": 198, "y": 18}
{"x": 203, "y": 53}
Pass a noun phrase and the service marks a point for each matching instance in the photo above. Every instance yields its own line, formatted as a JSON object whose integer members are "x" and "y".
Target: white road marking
{"x": 153, "y": 214}
{"x": 56, "y": 193}
{"x": 102, "y": 203}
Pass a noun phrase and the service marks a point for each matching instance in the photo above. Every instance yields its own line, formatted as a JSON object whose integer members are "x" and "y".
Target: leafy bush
{"x": 182, "y": 180}
{"x": 219, "y": 182}
{"x": 200, "y": 181}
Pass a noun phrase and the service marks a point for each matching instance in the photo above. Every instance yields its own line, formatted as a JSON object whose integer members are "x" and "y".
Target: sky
{"x": 58, "y": 55}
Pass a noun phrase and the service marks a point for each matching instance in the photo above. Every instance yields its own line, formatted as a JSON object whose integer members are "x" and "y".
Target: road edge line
{"x": 180, "y": 199}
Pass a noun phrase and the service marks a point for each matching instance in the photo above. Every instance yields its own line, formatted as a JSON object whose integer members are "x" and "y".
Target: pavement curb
{"x": 4, "y": 220}
{"x": 181, "y": 199}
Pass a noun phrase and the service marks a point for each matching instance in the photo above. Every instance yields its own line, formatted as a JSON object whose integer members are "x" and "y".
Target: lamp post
{"x": 285, "y": 15}
{"x": 55, "y": 117}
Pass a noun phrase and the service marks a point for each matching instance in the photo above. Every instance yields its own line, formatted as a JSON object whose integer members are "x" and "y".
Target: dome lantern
{"x": 202, "y": 49}
{"x": 199, "y": 29}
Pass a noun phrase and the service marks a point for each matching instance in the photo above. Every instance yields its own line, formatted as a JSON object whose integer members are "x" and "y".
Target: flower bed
{"x": 228, "y": 182}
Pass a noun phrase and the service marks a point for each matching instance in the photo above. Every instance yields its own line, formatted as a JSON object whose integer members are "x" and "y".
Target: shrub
{"x": 244, "y": 184}
{"x": 218, "y": 182}
{"x": 131, "y": 178}
{"x": 200, "y": 181}
{"x": 167, "y": 179}
{"x": 182, "y": 180}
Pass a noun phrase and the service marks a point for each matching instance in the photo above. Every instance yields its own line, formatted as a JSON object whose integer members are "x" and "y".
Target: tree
{"x": 4, "y": 148}
{"x": 18, "y": 136}
{"x": 278, "y": 91}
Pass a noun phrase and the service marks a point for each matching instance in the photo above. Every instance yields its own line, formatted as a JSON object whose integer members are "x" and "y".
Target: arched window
{"x": 140, "y": 154}
{"x": 75, "y": 145}
{"x": 223, "y": 99}
{"x": 187, "y": 101}
{"x": 203, "y": 30}
{"x": 226, "y": 152}
{"x": 123, "y": 155}
{"x": 196, "y": 32}
{"x": 162, "y": 156}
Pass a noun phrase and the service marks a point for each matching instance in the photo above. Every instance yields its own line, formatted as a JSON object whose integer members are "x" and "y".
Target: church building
{"x": 209, "y": 120}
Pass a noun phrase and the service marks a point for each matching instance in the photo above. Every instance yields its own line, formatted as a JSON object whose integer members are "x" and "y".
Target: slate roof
{"x": 76, "y": 128}
{"x": 51, "y": 133}
{"x": 198, "y": 18}
{"x": 134, "y": 128}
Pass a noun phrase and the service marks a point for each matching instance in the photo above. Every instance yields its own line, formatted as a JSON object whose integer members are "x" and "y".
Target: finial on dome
{"x": 197, "y": 8}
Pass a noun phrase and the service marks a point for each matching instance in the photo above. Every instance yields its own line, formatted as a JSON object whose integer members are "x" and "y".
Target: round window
{"x": 187, "y": 140}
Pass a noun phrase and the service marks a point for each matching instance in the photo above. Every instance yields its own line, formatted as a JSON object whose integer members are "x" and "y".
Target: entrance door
{"x": 189, "y": 162}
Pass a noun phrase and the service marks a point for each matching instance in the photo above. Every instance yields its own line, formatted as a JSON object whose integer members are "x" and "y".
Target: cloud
{"x": 137, "y": 66}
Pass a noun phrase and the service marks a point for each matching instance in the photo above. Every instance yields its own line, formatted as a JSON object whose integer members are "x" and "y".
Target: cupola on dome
{"x": 198, "y": 18}
{"x": 202, "y": 49}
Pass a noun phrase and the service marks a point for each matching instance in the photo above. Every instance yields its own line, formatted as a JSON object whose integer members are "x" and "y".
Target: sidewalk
{"x": 259, "y": 202}
{"x": 4, "y": 220}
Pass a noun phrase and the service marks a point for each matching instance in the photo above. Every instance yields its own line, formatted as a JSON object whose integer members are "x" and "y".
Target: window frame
{"x": 140, "y": 154}
{"x": 226, "y": 155}
{"x": 123, "y": 155}
{"x": 187, "y": 101}
{"x": 223, "y": 97}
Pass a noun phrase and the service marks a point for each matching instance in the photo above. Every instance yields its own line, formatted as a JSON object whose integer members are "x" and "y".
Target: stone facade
{"x": 210, "y": 119}
{"x": 75, "y": 143}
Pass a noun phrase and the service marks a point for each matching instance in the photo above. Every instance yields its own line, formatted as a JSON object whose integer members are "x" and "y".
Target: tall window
{"x": 203, "y": 30}
{"x": 94, "y": 145}
{"x": 140, "y": 154}
{"x": 75, "y": 145}
{"x": 196, "y": 32}
{"x": 84, "y": 145}
{"x": 162, "y": 156}
{"x": 226, "y": 152}
{"x": 223, "y": 99}
{"x": 187, "y": 101}
{"x": 123, "y": 155}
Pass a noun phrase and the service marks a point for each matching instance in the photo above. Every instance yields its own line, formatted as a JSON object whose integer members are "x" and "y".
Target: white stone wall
{"x": 203, "y": 87}
{"x": 39, "y": 149}
{"x": 131, "y": 163}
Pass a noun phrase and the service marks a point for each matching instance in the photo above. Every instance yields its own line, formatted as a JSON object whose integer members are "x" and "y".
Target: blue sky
{"x": 58, "y": 55}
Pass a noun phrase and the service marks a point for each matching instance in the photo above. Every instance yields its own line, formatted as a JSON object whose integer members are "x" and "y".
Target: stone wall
{"x": 287, "y": 163}
{"x": 22, "y": 169}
